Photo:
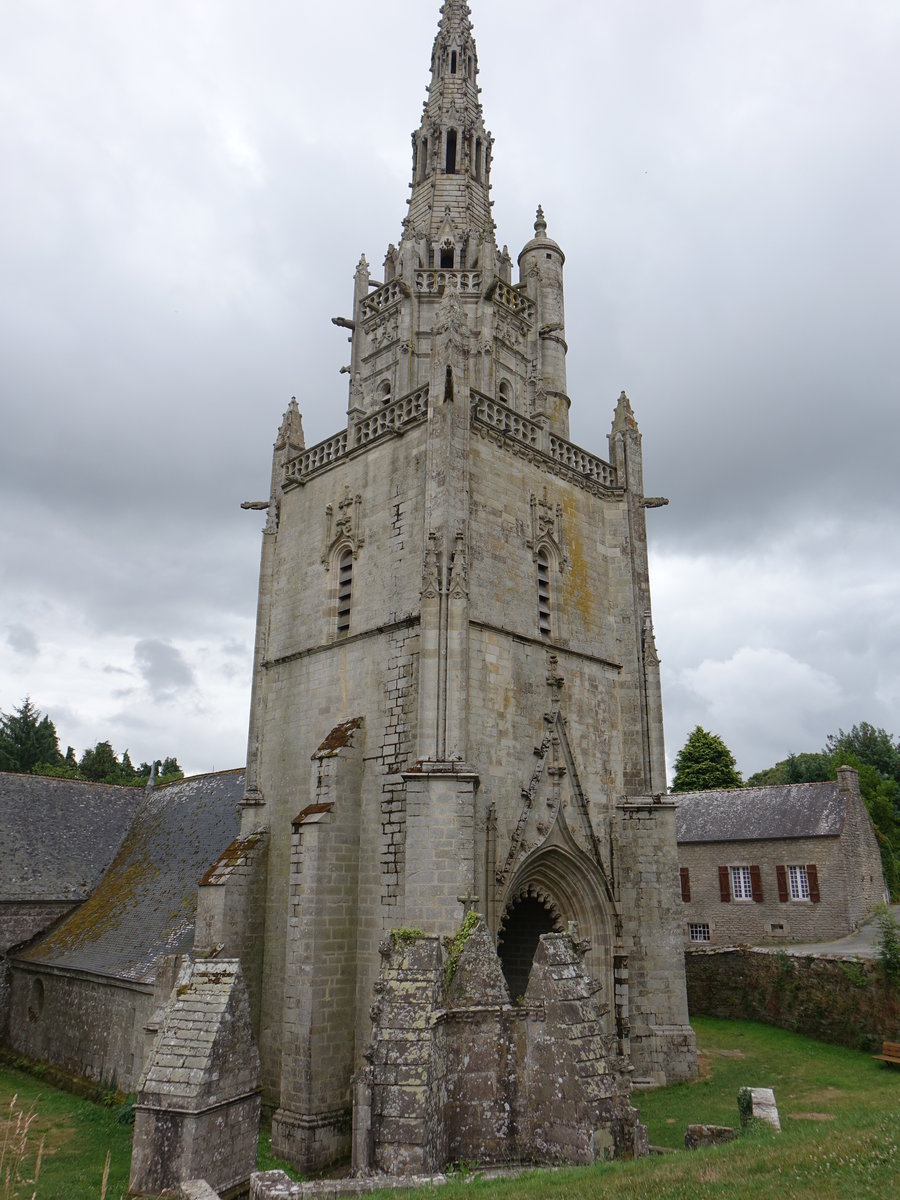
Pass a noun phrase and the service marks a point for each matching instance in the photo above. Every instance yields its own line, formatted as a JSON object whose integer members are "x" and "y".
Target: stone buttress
{"x": 456, "y": 699}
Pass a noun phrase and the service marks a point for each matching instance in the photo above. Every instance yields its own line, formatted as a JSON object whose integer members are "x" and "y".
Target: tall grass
{"x": 14, "y": 1152}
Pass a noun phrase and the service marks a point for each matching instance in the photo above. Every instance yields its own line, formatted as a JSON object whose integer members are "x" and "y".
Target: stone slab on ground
{"x": 698, "y": 1136}
{"x": 197, "y": 1189}
{"x": 761, "y": 1105}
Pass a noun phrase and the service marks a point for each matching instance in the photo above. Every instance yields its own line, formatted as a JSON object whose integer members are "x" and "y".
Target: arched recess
{"x": 570, "y": 886}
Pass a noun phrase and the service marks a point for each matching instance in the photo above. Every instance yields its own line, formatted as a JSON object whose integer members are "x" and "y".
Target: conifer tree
{"x": 705, "y": 763}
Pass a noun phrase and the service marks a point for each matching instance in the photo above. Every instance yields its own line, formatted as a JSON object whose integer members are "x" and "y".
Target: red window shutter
{"x": 724, "y": 885}
{"x": 756, "y": 885}
{"x": 812, "y": 877}
{"x": 685, "y": 884}
{"x": 781, "y": 872}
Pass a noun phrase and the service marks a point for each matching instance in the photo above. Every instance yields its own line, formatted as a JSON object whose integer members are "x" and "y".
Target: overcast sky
{"x": 187, "y": 186}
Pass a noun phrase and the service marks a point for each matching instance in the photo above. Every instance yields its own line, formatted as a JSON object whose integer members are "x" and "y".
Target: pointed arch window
{"x": 453, "y": 62}
{"x": 451, "y": 152}
{"x": 448, "y": 257}
{"x": 543, "y": 593}
{"x": 504, "y": 393}
{"x": 478, "y": 159}
{"x": 345, "y": 591}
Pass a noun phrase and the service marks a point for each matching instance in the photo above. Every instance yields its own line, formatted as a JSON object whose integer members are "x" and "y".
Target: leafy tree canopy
{"x": 875, "y": 747}
{"x": 796, "y": 768}
{"x": 29, "y": 746}
{"x": 705, "y": 763}
{"x": 875, "y": 755}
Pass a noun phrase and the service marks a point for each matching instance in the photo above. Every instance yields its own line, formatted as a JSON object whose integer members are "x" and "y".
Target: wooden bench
{"x": 890, "y": 1053}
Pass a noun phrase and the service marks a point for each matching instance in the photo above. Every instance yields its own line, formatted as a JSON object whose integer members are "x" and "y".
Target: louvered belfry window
{"x": 543, "y": 576}
{"x": 345, "y": 592}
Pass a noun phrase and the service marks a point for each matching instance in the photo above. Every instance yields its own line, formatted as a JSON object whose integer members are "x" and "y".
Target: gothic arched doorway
{"x": 526, "y": 919}
{"x": 554, "y": 887}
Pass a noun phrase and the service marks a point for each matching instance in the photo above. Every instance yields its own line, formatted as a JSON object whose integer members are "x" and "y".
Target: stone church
{"x": 456, "y": 697}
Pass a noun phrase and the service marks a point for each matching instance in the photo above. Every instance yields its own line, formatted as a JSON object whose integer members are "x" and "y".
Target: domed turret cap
{"x": 540, "y": 241}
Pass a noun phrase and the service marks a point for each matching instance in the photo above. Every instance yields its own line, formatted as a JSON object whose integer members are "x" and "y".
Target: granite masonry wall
{"x": 88, "y": 1026}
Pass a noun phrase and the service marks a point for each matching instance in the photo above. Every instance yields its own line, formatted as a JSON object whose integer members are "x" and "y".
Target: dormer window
{"x": 478, "y": 159}
{"x": 504, "y": 392}
{"x": 384, "y": 392}
{"x": 453, "y": 62}
{"x": 451, "y": 151}
{"x": 448, "y": 258}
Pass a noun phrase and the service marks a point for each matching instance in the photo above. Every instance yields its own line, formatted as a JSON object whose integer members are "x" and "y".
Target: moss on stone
{"x": 404, "y": 935}
{"x": 456, "y": 944}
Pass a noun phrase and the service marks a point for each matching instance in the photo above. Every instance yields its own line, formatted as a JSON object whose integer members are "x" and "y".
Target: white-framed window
{"x": 698, "y": 931}
{"x": 741, "y": 883}
{"x": 798, "y": 881}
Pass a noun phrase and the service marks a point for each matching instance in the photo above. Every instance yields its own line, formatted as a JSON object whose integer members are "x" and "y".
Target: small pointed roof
{"x": 291, "y": 431}
{"x": 624, "y": 418}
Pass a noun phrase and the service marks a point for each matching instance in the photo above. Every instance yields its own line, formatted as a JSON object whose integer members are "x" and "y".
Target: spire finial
{"x": 540, "y": 224}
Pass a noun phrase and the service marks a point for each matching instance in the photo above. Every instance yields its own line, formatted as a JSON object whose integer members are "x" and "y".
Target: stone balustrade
{"x": 315, "y": 457}
{"x": 436, "y": 280}
{"x": 392, "y": 417}
{"x": 383, "y": 298}
{"x": 513, "y": 425}
{"x": 514, "y": 300}
{"x": 500, "y": 416}
{"x": 579, "y": 460}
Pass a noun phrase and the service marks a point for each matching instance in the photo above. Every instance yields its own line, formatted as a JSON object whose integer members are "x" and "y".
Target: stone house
{"x": 794, "y": 862}
{"x": 81, "y": 995}
{"x": 456, "y": 699}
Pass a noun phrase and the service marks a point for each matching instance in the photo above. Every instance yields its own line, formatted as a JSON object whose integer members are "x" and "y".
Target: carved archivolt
{"x": 345, "y": 527}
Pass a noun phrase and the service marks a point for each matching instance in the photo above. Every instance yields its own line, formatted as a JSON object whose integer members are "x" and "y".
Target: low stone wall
{"x": 839, "y": 1000}
{"x": 86, "y": 1025}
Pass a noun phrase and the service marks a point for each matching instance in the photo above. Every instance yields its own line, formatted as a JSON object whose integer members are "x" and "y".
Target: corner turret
{"x": 541, "y": 275}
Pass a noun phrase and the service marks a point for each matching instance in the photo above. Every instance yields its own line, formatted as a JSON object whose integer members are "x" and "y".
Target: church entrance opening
{"x": 526, "y": 919}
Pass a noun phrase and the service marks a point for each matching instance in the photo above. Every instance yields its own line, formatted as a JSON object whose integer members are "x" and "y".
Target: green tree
{"x": 26, "y": 739}
{"x": 100, "y": 764}
{"x": 875, "y": 747}
{"x": 796, "y": 768}
{"x": 705, "y": 763}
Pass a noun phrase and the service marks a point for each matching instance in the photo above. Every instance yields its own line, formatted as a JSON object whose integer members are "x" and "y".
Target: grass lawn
{"x": 76, "y": 1135}
{"x": 840, "y": 1115}
{"x": 840, "y": 1112}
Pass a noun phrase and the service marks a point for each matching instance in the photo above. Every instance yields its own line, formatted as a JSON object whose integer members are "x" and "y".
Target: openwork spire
{"x": 449, "y": 209}
{"x": 456, "y": 18}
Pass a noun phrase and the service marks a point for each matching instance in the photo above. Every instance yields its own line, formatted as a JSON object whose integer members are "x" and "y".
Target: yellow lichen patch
{"x": 101, "y": 911}
{"x": 576, "y": 582}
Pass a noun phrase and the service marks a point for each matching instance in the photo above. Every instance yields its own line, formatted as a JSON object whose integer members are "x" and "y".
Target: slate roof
{"x": 792, "y": 810}
{"x": 58, "y": 836}
{"x": 146, "y": 903}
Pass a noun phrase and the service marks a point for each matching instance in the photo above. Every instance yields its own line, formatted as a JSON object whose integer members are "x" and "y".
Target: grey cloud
{"x": 22, "y": 641}
{"x": 163, "y": 667}
{"x": 183, "y": 217}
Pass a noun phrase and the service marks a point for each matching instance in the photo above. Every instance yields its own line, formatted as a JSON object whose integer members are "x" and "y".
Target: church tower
{"x": 456, "y": 697}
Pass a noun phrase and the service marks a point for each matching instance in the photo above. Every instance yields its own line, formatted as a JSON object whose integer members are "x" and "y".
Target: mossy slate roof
{"x": 58, "y": 836}
{"x": 145, "y": 905}
{"x": 793, "y": 810}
